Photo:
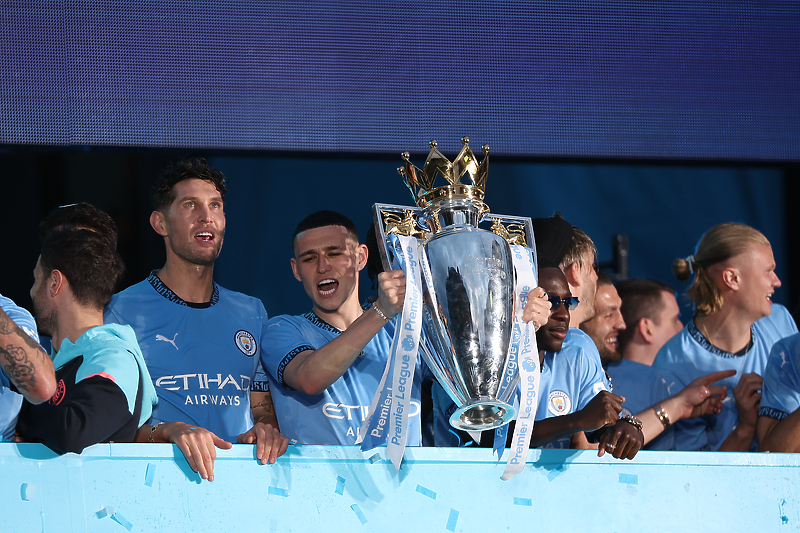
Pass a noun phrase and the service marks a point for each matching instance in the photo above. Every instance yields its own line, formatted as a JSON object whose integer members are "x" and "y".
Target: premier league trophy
{"x": 468, "y": 282}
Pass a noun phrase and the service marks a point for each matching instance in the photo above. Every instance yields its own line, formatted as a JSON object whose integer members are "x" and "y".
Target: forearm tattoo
{"x": 264, "y": 411}
{"x": 18, "y": 367}
{"x": 14, "y": 360}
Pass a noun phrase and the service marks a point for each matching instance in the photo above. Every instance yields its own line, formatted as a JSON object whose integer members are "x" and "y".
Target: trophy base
{"x": 481, "y": 414}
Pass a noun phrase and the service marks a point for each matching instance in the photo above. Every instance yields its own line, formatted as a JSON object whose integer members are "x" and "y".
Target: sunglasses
{"x": 570, "y": 303}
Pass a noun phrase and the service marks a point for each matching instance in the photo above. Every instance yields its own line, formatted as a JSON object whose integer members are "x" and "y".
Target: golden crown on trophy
{"x": 421, "y": 181}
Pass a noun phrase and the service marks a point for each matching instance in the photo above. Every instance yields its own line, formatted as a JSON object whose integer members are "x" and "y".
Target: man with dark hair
{"x": 651, "y": 316}
{"x": 201, "y": 341}
{"x": 81, "y": 215}
{"x": 326, "y": 365}
{"x": 104, "y": 391}
{"x": 76, "y": 216}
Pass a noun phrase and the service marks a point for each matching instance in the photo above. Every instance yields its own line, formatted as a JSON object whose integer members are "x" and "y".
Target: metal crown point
{"x": 465, "y": 140}
{"x": 433, "y": 144}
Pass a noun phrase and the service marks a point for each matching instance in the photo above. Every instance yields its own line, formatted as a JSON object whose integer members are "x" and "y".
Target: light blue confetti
{"x": 119, "y": 519}
{"x": 426, "y": 492}
{"x": 339, "y": 485}
{"x": 629, "y": 479}
{"x": 523, "y": 501}
{"x": 375, "y": 458}
{"x": 452, "y": 520}
{"x": 104, "y": 512}
{"x": 356, "y": 509}
{"x": 555, "y": 472}
{"x": 149, "y": 474}
{"x": 278, "y": 492}
{"x": 27, "y": 491}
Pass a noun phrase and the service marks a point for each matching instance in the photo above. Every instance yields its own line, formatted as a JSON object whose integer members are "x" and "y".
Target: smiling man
{"x": 607, "y": 322}
{"x": 201, "y": 342}
{"x": 734, "y": 327}
{"x": 326, "y": 365}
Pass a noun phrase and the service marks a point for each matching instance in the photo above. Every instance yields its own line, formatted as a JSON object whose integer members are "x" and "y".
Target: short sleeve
{"x": 781, "y": 389}
{"x": 284, "y": 339}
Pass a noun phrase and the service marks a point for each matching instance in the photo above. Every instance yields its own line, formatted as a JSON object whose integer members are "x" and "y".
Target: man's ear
{"x": 56, "y": 283}
{"x": 730, "y": 277}
{"x": 645, "y": 329}
{"x": 362, "y": 254}
{"x": 294, "y": 270}
{"x": 573, "y": 275}
{"x": 158, "y": 223}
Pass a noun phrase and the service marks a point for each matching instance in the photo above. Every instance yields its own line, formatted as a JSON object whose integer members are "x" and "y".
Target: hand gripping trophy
{"x": 469, "y": 277}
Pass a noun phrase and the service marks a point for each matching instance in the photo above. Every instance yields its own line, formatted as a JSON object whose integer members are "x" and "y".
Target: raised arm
{"x": 313, "y": 371}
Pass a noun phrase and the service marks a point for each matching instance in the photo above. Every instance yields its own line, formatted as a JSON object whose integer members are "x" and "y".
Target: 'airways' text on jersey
{"x": 203, "y": 381}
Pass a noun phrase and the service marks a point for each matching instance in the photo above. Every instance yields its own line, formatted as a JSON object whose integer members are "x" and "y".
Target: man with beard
{"x": 75, "y": 216}
{"x": 103, "y": 391}
{"x": 201, "y": 341}
{"x": 606, "y": 323}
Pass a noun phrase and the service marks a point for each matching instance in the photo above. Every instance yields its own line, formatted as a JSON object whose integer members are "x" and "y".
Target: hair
{"x": 324, "y": 218}
{"x": 163, "y": 192}
{"x": 580, "y": 245}
{"x": 719, "y": 244}
{"x": 80, "y": 216}
{"x": 92, "y": 268}
{"x": 641, "y": 298}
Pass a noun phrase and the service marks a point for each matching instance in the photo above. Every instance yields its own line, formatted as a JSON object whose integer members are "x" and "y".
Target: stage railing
{"x": 149, "y": 487}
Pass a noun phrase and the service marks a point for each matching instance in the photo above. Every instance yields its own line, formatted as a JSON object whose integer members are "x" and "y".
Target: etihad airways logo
{"x": 233, "y": 391}
{"x": 203, "y": 381}
{"x": 360, "y": 412}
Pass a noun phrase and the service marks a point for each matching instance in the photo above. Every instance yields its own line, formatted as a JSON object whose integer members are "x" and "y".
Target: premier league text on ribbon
{"x": 408, "y": 348}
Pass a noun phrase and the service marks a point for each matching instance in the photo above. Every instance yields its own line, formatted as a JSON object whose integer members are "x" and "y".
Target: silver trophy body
{"x": 469, "y": 312}
{"x": 468, "y": 289}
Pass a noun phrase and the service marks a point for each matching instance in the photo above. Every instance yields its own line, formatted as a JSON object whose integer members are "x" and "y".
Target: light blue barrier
{"x": 318, "y": 489}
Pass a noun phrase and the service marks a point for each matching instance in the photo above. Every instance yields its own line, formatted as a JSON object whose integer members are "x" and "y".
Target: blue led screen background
{"x": 684, "y": 80}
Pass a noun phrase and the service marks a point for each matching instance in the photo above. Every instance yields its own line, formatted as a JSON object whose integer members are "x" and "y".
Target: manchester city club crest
{"x": 246, "y": 342}
{"x": 559, "y": 403}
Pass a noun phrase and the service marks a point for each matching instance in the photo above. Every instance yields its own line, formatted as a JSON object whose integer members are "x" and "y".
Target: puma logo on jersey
{"x": 163, "y": 338}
